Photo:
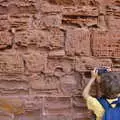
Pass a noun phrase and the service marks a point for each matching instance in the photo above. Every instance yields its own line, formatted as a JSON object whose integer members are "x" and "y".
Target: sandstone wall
{"x": 47, "y": 49}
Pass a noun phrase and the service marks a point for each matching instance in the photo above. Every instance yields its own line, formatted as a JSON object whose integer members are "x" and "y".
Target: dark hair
{"x": 110, "y": 84}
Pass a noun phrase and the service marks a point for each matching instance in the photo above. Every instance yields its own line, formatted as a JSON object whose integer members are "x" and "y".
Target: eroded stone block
{"x": 3, "y": 10}
{"x": 77, "y": 42}
{"x": 35, "y": 62}
{"x": 21, "y": 7}
{"x": 52, "y": 20}
{"x": 14, "y": 87}
{"x": 105, "y": 44}
{"x": 51, "y": 39}
{"x": 29, "y": 116}
{"x": 64, "y": 64}
{"x": 4, "y": 23}
{"x": 71, "y": 84}
{"x": 57, "y": 106}
{"x": 57, "y": 53}
{"x": 22, "y": 106}
{"x": 11, "y": 63}
{"x": 49, "y": 8}
{"x": 56, "y": 38}
{"x": 5, "y": 40}
{"x": 19, "y": 22}
{"x": 32, "y": 103}
{"x": 82, "y": 11}
{"x": 44, "y": 84}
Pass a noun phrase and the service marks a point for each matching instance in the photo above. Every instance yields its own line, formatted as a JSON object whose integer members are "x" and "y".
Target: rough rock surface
{"x": 47, "y": 49}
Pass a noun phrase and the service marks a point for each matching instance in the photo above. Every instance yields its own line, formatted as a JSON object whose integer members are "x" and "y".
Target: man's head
{"x": 110, "y": 84}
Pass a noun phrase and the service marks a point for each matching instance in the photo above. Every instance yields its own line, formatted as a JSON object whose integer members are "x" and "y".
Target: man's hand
{"x": 109, "y": 69}
{"x": 94, "y": 74}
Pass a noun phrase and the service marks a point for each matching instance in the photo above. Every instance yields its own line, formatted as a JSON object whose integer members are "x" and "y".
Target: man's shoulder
{"x": 94, "y": 105}
{"x": 93, "y": 102}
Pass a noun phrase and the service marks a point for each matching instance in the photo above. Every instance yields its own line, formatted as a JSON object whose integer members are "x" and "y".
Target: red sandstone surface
{"x": 47, "y": 49}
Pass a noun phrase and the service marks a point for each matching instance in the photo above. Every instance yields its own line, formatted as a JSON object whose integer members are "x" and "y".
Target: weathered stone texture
{"x": 106, "y": 44}
{"x": 23, "y": 39}
{"x": 88, "y": 63}
{"x": 47, "y": 50}
{"x": 29, "y": 116}
{"x": 51, "y": 39}
{"x": 20, "y": 108}
{"x": 4, "y": 23}
{"x": 13, "y": 87}
{"x": 11, "y": 63}
{"x": 78, "y": 42}
{"x": 80, "y": 17}
{"x": 71, "y": 83}
{"x": 57, "y": 106}
{"x": 35, "y": 62}
{"x": 57, "y": 53}
{"x": 19, "y": 22}
{"x": 52, "y": 20}
{"x": 44, "y": 84}
{"x": 65, "y": 64}
{"x": 5, "y": 40}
